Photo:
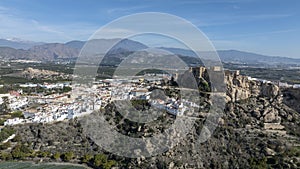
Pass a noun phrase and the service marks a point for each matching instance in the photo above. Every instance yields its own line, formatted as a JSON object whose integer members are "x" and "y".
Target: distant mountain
{"x": 235, "y": 56}
{"x": 125, "y": 44}
{"x": 70, "y": 51}
{"x": 7, "y": 53}
{"x": 18, "y": 43}
{"x": 53, "y": 51}
{"x": 75, "y": 44}
{"x": 179, "y": 51}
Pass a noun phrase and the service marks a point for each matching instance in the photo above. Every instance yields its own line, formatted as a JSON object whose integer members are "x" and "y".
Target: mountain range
{"x": 28, "y": 50}
{"x": 18, "y": 43}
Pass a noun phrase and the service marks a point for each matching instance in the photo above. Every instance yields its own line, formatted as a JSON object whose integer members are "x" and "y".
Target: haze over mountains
{"x": 13, "y": 49}
{"x": 18, "y": 43}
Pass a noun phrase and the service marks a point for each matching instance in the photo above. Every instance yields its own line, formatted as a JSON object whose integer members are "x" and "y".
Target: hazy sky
{"x": 263, "y": 26}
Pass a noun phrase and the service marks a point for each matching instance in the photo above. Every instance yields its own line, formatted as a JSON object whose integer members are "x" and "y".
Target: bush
{"x": 258, "y": 163}
{"x": 56, "y": 156}
{"x": 86, "y": 158}
{"x": 66, "y": 89}
{"x": 99, "y": 159}
{"x": 44, "y": 154}
{"x": 18, "y": 114}
{"x": 2, "y": 122}
{"x": 6, "y": 156}
{"x": 21, "y": 151}
{"x": 5, "y": 146}
{"x": 5, "y": 133}
{"x": 109, "y": 164}
{"x": 68, "y": 156}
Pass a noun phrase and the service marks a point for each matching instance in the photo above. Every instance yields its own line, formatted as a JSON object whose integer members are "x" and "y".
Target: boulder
{"x": 269, "y": 90}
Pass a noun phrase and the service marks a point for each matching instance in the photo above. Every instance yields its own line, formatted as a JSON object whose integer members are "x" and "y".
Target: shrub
{"x": 68, "y": 156}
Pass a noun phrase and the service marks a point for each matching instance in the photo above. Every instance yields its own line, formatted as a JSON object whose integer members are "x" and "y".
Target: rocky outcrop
{"x": 241, "y": 88}
{"x": 269, "y": 90}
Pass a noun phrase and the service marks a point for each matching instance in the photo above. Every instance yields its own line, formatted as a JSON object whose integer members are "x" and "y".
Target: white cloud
{"x": 12, "y": 25}
{"x": 125, "y": 10}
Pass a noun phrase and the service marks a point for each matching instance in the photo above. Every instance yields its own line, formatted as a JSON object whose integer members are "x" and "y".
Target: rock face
{"x": 269, "y": 90}
{"x": 241, "y": 88}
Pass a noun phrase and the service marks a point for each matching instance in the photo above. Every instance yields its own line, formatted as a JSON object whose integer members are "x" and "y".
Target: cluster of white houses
{"x": 83, "y": 100}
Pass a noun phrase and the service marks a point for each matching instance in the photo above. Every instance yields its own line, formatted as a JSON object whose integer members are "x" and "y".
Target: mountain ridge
{"x": 70, "y": 50}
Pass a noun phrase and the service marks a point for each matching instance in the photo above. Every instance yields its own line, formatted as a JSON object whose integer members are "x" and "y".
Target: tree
{"x": 17, "y": 114}
{"x": 99, "y": 159}
{"x": 4, "y": 146}
{"x": 2, "y": 121}
{"x": 44, "y": 154}
{"x": 86, "y": 158}
{"x": 5, "y": 156}
{"x": 56, "y": 156}
{"x": 5, "y": 133}
{"x": 5, "y": 106}
{"x": 258, "y": 163}
{"x": 109, "y": 164}
{"x": 68, "y": 156}
{"x": 66, "y": 89}
{"x": 16, "y": 152}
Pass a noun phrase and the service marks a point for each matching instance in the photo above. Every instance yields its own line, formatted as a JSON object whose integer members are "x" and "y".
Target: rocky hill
{"x": 257, "y": 130}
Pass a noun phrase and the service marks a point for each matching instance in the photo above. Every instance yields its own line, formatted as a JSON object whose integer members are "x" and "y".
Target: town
{"x": 46, "y": 107}
{"x": 42, "y": 107}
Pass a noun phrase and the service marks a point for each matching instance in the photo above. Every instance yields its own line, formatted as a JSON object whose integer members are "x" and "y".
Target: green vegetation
{"x": 258, "y": 163}
{"x": 18, "y": 114}
{"x": 140, "y": 104}
{"x": 66, "y": 89}
{"x": 56, "y": 156}
{"x": 274, "y": 74}
{"x": 204, "y": 86}
{"x": 86, "y": 158}
{"x": 68, "y": 156}
{"x": 44, "y": 154}
{"x": 5, "y": 146}
{"x": 293, "y": 152}
{"x": 5, "y": 133}
{"x": 6, "y": 156}
{"x": 14, "y": 80}
{"x": 29, "y": 165}
{"x": 2, "y": 122}
{"x": 100, "y": 160}
{"x": 4, "y": 106}
{"x": 20, "y": 151}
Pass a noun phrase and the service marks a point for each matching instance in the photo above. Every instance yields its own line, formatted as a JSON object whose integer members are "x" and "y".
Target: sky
{"x": 268, "y": 27}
